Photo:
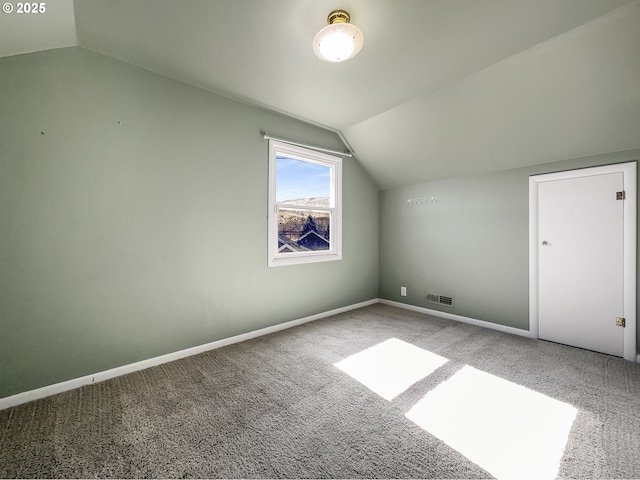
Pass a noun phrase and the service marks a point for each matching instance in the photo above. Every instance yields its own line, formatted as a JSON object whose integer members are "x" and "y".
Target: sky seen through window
{"x": 296, "y": 179}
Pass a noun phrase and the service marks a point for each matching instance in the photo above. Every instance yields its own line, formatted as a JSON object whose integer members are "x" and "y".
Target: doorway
{"x": 582, "y": 250}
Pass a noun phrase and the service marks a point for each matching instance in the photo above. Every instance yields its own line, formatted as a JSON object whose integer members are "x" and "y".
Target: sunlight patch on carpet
{"x": 391, "y": 367}
{"x": 505, "y": 428}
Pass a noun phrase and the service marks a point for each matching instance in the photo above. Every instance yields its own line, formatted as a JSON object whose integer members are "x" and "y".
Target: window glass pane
{"x": 303, "y": 230}
{"x": 305, "y": 197}
{"x": 302, "y": 183}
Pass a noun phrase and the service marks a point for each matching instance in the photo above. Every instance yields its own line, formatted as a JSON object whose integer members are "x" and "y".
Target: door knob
{"x": 545, "y": 243}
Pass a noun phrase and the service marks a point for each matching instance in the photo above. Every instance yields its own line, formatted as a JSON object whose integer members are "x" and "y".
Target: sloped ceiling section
{"x": 441, "y": 88}
{"x": 573, "y": 96}
{"x": 50, "y": 27}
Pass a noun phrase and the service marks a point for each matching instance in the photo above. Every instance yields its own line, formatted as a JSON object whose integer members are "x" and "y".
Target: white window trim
{"x": 335, "y": 241}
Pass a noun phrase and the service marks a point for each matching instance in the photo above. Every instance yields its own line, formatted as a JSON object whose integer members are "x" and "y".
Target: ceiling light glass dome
{"x": 338, "y": 41}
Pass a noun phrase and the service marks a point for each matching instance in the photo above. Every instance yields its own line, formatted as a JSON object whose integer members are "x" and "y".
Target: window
{"x": 304, "y": 205}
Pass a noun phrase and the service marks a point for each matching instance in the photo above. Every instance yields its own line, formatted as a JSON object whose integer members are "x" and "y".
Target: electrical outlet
{"x": 403, "y": 291}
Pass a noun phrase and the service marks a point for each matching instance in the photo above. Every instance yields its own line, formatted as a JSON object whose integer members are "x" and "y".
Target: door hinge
{"x": 620, "y": 195}
{"x": 620, "y": 322}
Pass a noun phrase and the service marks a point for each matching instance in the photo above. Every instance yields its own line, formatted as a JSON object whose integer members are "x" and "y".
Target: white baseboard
{"x": 472, "y": 321}
{"x": 56, "y": 388}
{"x": 28, "y": 396}
{"x": 459, "y": 318}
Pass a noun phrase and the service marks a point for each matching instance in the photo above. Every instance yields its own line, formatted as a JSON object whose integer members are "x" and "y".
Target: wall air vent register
{"x": 445, "y": 300}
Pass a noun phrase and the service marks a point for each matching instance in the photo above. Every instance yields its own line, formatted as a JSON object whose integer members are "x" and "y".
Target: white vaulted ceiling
{"x": 441, "y": 88}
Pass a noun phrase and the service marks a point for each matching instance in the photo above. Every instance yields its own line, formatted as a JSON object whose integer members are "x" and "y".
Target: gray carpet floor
{"x": 277, "y": 406}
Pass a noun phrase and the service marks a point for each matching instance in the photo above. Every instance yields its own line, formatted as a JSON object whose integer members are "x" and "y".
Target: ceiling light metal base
{"x": 338, "y": 16}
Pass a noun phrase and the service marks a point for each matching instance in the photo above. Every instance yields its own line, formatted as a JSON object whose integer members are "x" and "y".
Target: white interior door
{"x": 581, "y": 262}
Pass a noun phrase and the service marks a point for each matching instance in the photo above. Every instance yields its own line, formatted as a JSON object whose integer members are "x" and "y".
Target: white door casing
{"x": 585, "y": 274}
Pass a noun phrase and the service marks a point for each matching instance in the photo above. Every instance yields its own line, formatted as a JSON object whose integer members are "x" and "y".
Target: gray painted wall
{"x": 472, "y": 244}
{"x": 136, "y": 224}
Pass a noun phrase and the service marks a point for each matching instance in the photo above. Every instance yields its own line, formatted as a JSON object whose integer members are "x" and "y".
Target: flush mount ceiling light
{"x": 338, "y": 41}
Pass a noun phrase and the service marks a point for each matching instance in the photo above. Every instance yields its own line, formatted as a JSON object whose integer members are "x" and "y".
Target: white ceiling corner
{"x": 32, "y": 32}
